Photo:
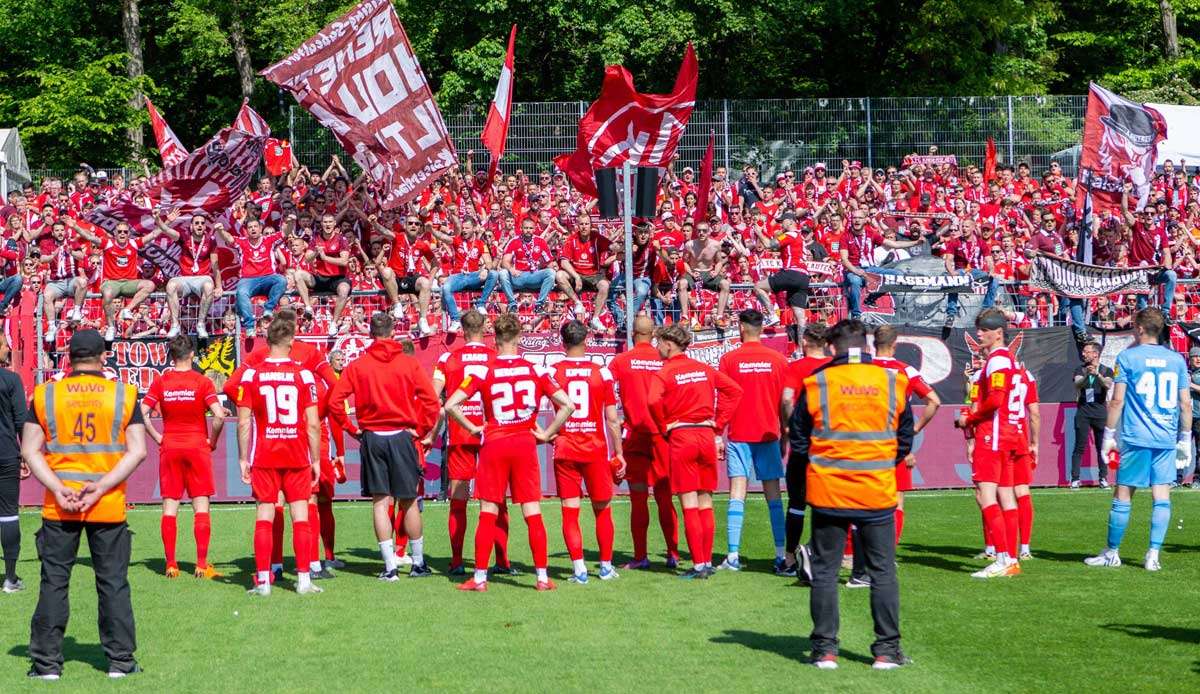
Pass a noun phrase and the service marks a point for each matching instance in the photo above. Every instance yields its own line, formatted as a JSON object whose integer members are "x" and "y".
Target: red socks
{"x": 1025, "y": 517}
{"x": 605, "y": 532}
{"x": 987, "y": 537}
{"x": 993, "y": 519}
{"x": 849, "y": 548}
{"x": 639, "y": 522}
{"x": 667, "y": 517}
{"x": 277, "y": 537}
{"x": 899, "y": 524}
{"x": 202, "y": 530}
{"x": 458, "y": 530}
{"x": 1010, "y": 531}
{"x": 168, "y": 527}
{"x": 537, "y": 540}
{"x": 262, "y": 545}
{"x": 398, "y": 528}
{"x": 302, "y": 543}
{"x": 692, "y": 528}
{"x": 708, "y": 526}
{"x": 314, "y": 521}
{"x": 327, "y": 526}
{"x": 571, "y": 534}
{"x": 500, "y": 534}
{"x": 485, "y": 534}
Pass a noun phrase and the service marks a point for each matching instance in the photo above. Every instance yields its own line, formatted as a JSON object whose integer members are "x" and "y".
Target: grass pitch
{"x": 1059, "y": 627}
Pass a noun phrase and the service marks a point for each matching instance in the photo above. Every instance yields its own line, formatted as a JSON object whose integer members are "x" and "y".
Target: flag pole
{"x": 628, "y": 214}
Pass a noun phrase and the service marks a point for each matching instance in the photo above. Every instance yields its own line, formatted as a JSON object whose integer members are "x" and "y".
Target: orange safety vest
{"x": 855, "y": 410}
{"x": 84, "y": 418}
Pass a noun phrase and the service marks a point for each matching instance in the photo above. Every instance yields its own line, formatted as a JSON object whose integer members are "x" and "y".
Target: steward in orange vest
{"x": 83, "y": 438}
{"x": 850, "y": 429}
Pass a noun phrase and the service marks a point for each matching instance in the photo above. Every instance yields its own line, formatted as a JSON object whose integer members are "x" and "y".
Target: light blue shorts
{"x": 765, "y": 459}
{"x": 1143, "y": 467}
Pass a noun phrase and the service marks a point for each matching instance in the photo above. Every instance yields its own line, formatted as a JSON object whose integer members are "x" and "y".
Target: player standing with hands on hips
{"x": 1156, "y": 428}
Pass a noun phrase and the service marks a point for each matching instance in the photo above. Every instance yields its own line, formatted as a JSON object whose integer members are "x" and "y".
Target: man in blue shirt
{"x": 1156, "y": 422}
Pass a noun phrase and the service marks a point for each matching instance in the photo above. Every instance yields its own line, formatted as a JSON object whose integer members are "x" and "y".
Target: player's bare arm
{"x": 561, "y": 415}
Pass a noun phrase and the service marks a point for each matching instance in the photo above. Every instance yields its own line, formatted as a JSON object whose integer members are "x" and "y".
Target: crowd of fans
{"x": 798, "y": 246}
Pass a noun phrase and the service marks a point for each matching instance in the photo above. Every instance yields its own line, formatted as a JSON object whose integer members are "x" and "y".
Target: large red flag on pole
{"x": 625, "y": 125}
{"x": 706, "y": 174}
{"x": 1120, "y": 145}
{"x": 989, "y": 162}
{"x": 495, "y": 131}
{"x": 170, "y": 148}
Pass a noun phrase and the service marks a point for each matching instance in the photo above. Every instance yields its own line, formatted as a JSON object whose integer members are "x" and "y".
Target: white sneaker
{"x": 333, "y": 329}
{"x": 770, "y": 319}
{"x": 1074, "y": 484}
{"x": 126, "y": 314}
{"x": 1108, "y": 558}
{"x": 174, "y": 331}
{"x": 404, "y": 561}
{"x": 994, "y": 570}
{"x": 201, "y": 331}
{"x": 425, "y": 328}
{"x": 597, "y": 325}
{"x": 110, "y": 333}
{"x": 1151, "y": 563}
{"x": 398, "y": 311}
{"x": 455, "y": 326}
{"x": 310, "y": 589}
{"x": 76, "y": 314}
{"x": 261, "y": 590}
{"x": 51, "y": 331}
{"x": 580, "y": 309}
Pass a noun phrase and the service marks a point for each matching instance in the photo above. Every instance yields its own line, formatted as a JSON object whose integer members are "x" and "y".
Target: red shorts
{"x": 997, "y": 467}
{"x": 1023, "y": 469}
{"x": 267, "y": 482}
{"x": 509, "y": 462}
{"x": 571, "y": 475}
{"x": 693, "y": 454}
{"x": 185, "y": 469}
{"x": 460, "y": 461}
{"x": 647, "y": 459}
{"x": 904, "y": 481}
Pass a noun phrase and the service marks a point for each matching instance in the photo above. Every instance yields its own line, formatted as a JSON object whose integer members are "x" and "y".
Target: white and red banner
{"x": 359, "y": 78}
{"x": 1120, "y": 145}
{"x": 706, "y": 175}
{"x": 624, "y": 124}
{"x": 495, "y": 130}
{"x": 170, "y": 148}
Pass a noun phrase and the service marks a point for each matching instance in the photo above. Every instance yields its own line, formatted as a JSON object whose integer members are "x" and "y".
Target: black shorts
{"x": 708, "y": 281}
{"x": 10, "y": 486}
{"x": 407, "y": 284}
{"x": 590, "y": 283}
{"x": 328, "y": 284}
{"x": 390, "y": 465}
{"x": 794, "y": 283}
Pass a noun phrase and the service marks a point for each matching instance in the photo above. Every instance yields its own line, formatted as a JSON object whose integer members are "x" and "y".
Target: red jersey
{"x": 120, "y": 262}
{"x": 584, "y": 436}
{"x": 277, "y": 393}
{"x": 468, "y": 255}
{"x": 512, "y": 389}
{"x": 801, "y": 369}
{"x": 632, "y": 372}
{"x": 531, "y": 256}
{"x": 916, "y": 382}
{"x": 999, "y": 418}
{"x": 333, "y": 247}
{"x": 195, "y": 257}
{"x": 303, "y": 353}
{"x": 792, "y": 250}
{"x": 759, "y": 370}
{"x": 453, "y": 367}
{"x": 861, "y": 249}
{"x": 183, "y": 399}
{"x": 258, "y": 259}
{"x": 1146, "y": 245}
{"x": 685, "y": 391}
{"x": 585, "y": 255}
{"x": 405, "y": 258}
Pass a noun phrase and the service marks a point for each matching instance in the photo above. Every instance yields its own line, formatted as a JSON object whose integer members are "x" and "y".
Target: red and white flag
{"x": 170, "y": 148}
{"x": 360, "y": 78}
{"x": 624, "y": 124}
{"x": 495, "y": 130}
{"x": 249, "y": 121}
{"x": 706, "y": 175}
{"x": 1120, "y": 144}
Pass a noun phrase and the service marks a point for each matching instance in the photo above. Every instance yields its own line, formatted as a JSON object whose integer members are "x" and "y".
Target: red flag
{"x": 989, "y": 162}
{"x": 249, "y": 121}
{"x": 277, "y": 154}
{"x": 495, "y": 131}
{"x": 170, "y": 148}
{"x": 1120, "y": 145}
{"x": 706, "y": 174}
{"x": 624, "y": 124}
{"x": 360, "y": 78}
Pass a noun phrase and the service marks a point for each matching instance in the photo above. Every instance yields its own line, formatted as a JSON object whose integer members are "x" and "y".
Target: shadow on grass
{"x": 1188, "y": 635}
{"x": 73, "y": 652}
{"x": 797, "y": 648}
{"x": 944, "y": 557}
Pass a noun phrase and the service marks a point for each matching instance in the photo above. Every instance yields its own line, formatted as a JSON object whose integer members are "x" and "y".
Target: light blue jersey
{"x": 1153, "y": 376}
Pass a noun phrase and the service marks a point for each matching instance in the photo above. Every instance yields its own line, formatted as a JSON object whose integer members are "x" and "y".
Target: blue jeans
{"x": 1074, "y": 308}
{"x": 1168, "y": 278}
{"x": 467, "y": 282}
{"x": 854, "y": 284}
{"x": 540, "y": 281}
{"x": 988, "y": 299}
{"x": 10, "y": 287}
{"x": 270, "y": 286}
{"x": 641, "y": 290}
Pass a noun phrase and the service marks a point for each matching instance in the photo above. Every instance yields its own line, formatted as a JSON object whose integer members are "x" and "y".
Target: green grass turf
{"x": 1059, "y": 627}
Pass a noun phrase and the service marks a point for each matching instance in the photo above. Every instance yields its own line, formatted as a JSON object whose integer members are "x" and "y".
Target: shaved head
{"x": 643, "y": 329}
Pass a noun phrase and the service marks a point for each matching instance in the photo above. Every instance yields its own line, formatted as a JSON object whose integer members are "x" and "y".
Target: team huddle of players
{"x": 678, "y": 416}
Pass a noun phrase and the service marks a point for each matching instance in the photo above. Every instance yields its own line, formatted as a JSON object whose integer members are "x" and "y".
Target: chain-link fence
{"x": 779, "y": 133}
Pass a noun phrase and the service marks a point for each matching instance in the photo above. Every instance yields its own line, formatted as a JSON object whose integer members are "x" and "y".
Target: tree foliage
{"x": 64, "y": 83}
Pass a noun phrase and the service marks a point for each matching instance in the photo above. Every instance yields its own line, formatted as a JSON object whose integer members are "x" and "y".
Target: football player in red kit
{"x": 647, "y": 462}
{"x": 1023, "y": 472}
{"x": 184, "y": 397}
{"x": 690, "y": 402}
{"x": 583, "y": 449}
{"x": 512, "y": 389}
{"x": 462, "y": 449}
{"x": 279, "y": 399}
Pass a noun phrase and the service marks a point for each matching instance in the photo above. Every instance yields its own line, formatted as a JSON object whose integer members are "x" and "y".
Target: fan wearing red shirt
{"x": 646, "y": 456}
{"x": 583, "y": 449}
{"x": 583, "y": 265}
{"x": 402, "y": 273}
{"x": 331, "y": 257}
{"x": 885, "y": 356}
{"x": 64, "y": 278}
{"x": 461, "y": 454}
{"x": 792, "y": 278}
{"x": 754, "y": 433}
{"x": 857, "y": 258}
{"x": 1149, "y": 244}
{"x": 121, "y": 271}
{"x": 260, "y": 275}
{"x": 526, "y": 267}
{"x": 282, "y": 453}
{"x": 471, "y": 270}
{"x": 199, "y": 274}
{"x": 689, "y": 402}
{"x": 512, "y": 389}
{"x": 183, "y": 397}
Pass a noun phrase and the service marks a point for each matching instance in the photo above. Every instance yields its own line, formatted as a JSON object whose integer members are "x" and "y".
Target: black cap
{"x": 86, "y": 344}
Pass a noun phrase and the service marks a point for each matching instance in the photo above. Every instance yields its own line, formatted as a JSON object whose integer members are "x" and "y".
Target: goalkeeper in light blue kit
{"x": 1152, "y": 402}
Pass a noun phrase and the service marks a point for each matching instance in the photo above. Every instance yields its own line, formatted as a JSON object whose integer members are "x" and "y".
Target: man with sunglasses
{"x": 1149, "y": 245}
{"x": 122, "y": 270}
{"x": 857, "y": 253}
{"x": 199, "y": 273}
